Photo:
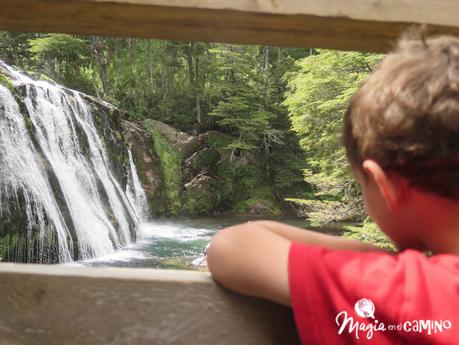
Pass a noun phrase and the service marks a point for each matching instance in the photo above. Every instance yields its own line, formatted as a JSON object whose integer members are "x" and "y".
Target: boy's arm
{"x": 252, "y": 258}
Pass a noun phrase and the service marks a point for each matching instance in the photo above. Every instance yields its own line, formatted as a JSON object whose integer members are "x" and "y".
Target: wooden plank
{"x": 370, "y": 25}
{"x": 74, "y": 305}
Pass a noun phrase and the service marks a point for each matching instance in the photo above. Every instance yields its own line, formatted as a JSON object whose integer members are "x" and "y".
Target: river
{"x": 175, "y": 243}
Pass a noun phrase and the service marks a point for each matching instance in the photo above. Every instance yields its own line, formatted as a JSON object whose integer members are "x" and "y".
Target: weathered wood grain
{"x": 370, "y": 25}
{"x": 56, "y": 305}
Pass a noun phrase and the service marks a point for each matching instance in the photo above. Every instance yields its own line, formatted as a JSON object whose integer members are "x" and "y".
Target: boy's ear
{"x": 391, "y": 187}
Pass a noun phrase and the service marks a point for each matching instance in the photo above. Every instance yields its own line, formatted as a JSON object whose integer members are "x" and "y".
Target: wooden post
{"x": 368, "y": 25}
{"x": 56, "y": 305}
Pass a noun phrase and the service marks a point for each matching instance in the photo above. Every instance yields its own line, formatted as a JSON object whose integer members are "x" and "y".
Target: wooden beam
{"x": 370, "y": 25}
{"x": 92, "y": 306}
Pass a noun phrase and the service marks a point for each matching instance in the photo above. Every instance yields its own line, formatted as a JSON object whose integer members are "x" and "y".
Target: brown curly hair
{"x": 406, "y": 115}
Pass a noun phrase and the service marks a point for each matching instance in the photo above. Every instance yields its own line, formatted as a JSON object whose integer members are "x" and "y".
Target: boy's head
{"x": 404, "y": 124}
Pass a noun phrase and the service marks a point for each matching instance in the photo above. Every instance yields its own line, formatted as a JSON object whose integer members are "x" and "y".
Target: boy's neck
{"x": 437, "y": 220}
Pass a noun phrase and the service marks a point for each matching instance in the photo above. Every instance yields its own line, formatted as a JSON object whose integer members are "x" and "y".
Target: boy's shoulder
{"x": 327, "y": 286}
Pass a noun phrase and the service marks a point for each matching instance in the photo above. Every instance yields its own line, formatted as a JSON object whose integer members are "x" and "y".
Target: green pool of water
{"x": 175, "y": 243}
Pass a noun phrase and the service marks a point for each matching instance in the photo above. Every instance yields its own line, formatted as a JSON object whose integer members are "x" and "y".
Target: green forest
{"x": 280, "y": 111}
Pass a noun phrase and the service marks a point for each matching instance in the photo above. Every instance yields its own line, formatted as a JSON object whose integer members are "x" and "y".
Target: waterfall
{"x": 135, "y": 191}
{"x": 62, "y": 172}
{"x": 20, "y": 171}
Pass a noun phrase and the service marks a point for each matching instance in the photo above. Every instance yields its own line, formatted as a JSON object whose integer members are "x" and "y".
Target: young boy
{"x": 401, "y": 134}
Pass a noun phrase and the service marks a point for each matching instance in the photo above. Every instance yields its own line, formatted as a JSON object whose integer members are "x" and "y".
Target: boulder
{"x": 184, "y": 142}
{"x": 260, "y": 209}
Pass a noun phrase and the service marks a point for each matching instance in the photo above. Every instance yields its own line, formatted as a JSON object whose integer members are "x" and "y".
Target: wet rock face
{"x": 140, "y": 142}
{"x": 107, "y": 120}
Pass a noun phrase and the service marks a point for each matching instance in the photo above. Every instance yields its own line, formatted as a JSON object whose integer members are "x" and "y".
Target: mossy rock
{"x": 6, "y": 81}
{"x": 171, "y": 166}
{"x": 182, "y": 142}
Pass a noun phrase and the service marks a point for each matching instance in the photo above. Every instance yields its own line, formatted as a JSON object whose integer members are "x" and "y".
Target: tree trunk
{"x": 149, "y": 62}
{"x": 196, "y": 87}
{"x": 190, "y": 63}
{"x": 265, "y": 68}
{"x": 130, "y": 48}
{"x": 265, "y": 59}
{"x": 98, "y": 49}
{"x": 197, "y": 109}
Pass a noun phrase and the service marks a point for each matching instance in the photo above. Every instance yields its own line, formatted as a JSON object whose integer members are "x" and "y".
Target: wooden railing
{"x": 64, "y": 305}
{"x": 369, "y": 25}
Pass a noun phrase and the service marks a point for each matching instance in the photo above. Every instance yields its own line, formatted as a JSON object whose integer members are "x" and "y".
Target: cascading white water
{"x": 101, "y": 215}
{"x": 135, "y": 192}
{"x": 21, "y": 172}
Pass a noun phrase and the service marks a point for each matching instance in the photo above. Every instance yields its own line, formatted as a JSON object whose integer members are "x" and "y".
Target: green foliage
{"x": 250, "y": 187}
{"x": 227, "y": 177}
{"x": 14, "y": 48}
{"x": 171, "y": 160}
{"x": 370, "y": 233}
{"x": 218, "y": 140}
{"x": 242, "y": 108}
{"x": 317, "y": 97}
{"x": 249, "y": 81}
{"x": 162, "y": 80}
{"x": 201, "y": 200}
{"x": 65, "y": 48}
{"x": 65, "y": 58}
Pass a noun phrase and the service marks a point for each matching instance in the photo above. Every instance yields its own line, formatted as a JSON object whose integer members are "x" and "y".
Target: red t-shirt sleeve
{"x": 325, "y": 282}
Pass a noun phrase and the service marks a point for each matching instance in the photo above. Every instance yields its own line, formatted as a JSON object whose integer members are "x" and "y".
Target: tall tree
{"x": 65, "y": 58}
{"x": 14, "y": 48}
{"x": 101, "y": 51}
{"x": 317, "y": 98}
{"x": 242, "y": 109}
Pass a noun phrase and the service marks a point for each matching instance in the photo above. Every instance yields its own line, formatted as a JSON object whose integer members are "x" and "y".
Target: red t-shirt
{"x": 334, "y": 293}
